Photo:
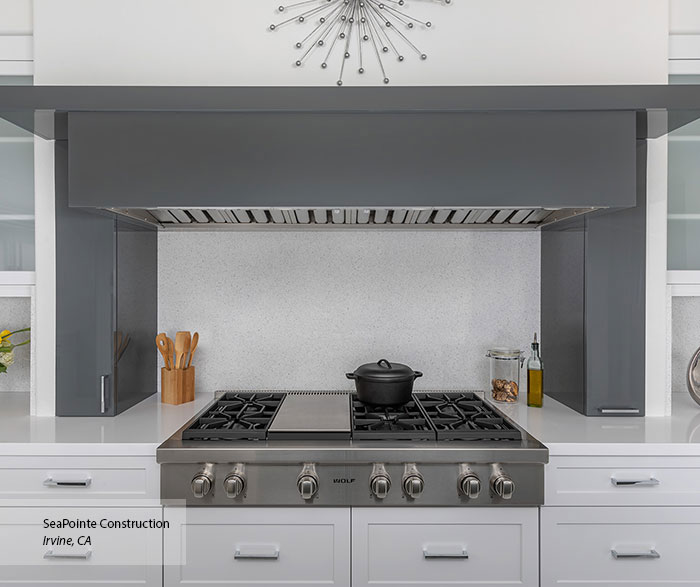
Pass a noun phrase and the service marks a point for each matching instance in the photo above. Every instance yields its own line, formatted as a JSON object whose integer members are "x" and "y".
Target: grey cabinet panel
{"x": 563, "y": 312}
{"x": 106, "y": 282}
{"x": 85, "y": 303}
{"x": 137, "y": 313}
{"x": 560, "y": 159}
{"x": 594, "y": 308}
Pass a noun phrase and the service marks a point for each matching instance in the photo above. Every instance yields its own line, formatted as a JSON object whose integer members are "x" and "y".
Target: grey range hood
{"x": 570, "y": 161}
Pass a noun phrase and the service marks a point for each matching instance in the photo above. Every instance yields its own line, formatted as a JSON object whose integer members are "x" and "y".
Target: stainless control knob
{"x": 307, "y": 486}
{"x": 307, "y": 481}
{"x": 470, "y": 485}
{"x": 501, "y": 484}
{"x": 234, "y": 485}
{"x": 201, "y": 485}
{"x": 413, "y": 486}
{"x": 412, "y": 482}
{"x": 380, "y": 486}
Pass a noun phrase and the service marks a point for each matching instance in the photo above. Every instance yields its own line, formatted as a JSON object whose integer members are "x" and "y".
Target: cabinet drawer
{"x": 654, "y": 547}
{"x": 260, "y": 546}
{"x": 78, "y": 478}
{"x": 445, "y": 547}
{"x": 624, "y": 481}
{"x": 118, "y": 557}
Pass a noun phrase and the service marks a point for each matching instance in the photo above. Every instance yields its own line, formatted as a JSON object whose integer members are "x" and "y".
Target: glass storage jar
{"x": 505, "y": 374}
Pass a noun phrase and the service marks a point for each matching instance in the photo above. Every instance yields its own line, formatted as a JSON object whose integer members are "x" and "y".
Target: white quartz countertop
{"x": 137, "y": 431}
{"x": 140, "y": 430}
{"x": 566, "y": 432}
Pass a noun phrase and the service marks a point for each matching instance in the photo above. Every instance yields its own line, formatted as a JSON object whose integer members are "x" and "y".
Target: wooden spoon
{"x": 182, "y": 345}
{"x": 162, "y": 344}
{"x": 193, "y": 347}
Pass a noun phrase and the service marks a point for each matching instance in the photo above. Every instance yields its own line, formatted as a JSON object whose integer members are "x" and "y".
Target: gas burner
{"x": 405, "y": 422}
{"x": 464, "y": 416}
{"x": 236, "y": 416}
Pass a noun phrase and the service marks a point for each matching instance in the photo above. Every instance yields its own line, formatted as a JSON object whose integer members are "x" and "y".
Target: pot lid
{"x": 385, "y": 371}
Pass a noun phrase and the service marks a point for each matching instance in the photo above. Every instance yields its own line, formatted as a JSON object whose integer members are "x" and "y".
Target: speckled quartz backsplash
{"x": 685, "y": 338}
{"x": 15, "y": 313}
{"x": 296, "y": 310}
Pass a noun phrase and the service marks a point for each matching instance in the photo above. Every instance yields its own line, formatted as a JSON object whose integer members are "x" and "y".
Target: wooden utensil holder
{"x": 176, "y": 385}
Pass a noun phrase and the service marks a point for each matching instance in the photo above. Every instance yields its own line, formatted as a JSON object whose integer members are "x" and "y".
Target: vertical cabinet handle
{"x": 648, "y": 482}
{"x": 257, "y": 551}
{"x": 50, "y": 554}
{"x": 651, "y": 553}
{"x": 103, "y": 393}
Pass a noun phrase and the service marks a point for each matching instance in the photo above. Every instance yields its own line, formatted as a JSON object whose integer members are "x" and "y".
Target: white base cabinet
{"x": 265, "y": 547}
{"x": 115, "y": 557}
{"x": 444, "y": 547}
{"x": 594, "y": 546}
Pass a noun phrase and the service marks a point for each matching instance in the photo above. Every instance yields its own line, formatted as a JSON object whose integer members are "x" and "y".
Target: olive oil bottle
{"x": 535, "y": 376}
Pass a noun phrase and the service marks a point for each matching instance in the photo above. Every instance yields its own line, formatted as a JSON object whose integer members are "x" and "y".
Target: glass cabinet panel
{"x": 16, "y": 193}
{"x": 684, "y": 193}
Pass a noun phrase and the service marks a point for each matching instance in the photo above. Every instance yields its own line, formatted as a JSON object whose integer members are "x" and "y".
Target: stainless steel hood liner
{"x": 309, "y": 218}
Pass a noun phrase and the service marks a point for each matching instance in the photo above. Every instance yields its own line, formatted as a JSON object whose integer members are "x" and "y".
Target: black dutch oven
{"x": 384, "y": 383}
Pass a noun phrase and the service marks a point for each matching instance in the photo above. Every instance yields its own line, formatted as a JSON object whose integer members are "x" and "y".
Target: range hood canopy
{"x": 660, "y": 108}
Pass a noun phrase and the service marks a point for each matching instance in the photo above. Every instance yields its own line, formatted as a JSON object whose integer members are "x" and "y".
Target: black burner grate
{"x": 404, "y": 422}
{"x": 465, "y": 416}
{"x": 236, "y": 416}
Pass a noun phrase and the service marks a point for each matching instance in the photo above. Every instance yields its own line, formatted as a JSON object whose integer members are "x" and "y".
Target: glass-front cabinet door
{"x": 16, "y": 193}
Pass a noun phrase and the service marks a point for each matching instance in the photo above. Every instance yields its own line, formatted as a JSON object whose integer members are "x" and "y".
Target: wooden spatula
{"x": 165, "y": 349}
{"x": 182, "y": 345}
{"x": 193, "y": 347}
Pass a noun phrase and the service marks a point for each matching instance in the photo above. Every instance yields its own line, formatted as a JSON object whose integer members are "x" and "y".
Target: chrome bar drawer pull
{"x": 51, "y": 482}
{"x": 632, "y": 482}
{"x": 651, "y": 553}
{"x": 78, "y": 555}
{"x": 445, "y": 551}
{"x": 260, "y": 551}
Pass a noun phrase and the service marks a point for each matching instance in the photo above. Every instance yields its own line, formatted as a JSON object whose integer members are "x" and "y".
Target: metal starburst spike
{"x": 344, "y": 29}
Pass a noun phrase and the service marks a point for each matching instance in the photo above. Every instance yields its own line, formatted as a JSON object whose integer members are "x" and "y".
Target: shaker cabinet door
{"x": 115, "y": 557}
{"x": 441, "y": 547}
{"x": 265, "y": 547}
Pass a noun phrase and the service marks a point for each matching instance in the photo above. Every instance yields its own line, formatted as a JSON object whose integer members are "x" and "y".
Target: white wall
{"x": 227, "y": 42}
{"x": 296, "y": 310}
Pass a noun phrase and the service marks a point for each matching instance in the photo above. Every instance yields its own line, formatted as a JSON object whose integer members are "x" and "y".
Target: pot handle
{"x": 417, "y": 374}
{"x": 350, "y": 375}
{"x": 384, "y": 363}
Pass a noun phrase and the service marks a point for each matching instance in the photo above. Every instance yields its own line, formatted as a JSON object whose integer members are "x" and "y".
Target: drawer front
{"x": 261, "y": 546}
{"x": 633, "y": 481}
{"x": 654, "y": 547}
{"x": 78, "y": 478}
{"x": 445, "y": 547}
{"x": 118, "y": 557}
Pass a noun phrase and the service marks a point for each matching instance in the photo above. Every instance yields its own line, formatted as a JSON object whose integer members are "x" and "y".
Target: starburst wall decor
{"x": 364, "y": 29}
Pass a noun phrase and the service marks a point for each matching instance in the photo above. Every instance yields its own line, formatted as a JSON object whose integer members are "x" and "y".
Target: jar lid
{"x": 504, "y": 353}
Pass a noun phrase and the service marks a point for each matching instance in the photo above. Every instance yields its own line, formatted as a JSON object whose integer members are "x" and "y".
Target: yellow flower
{"x": 4, "y": 334}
